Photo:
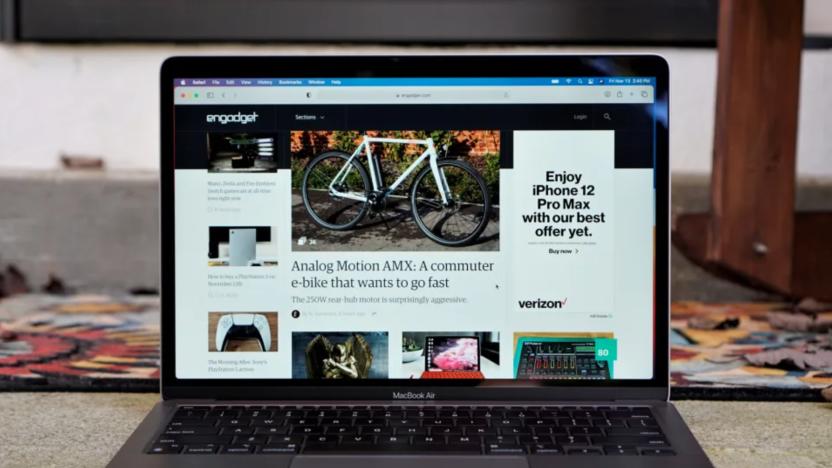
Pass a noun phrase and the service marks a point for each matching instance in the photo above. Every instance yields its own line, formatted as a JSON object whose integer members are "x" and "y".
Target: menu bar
{"x": 453, "y": 81}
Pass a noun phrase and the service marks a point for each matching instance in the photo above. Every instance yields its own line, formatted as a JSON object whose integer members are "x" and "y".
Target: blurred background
{"x": 79, "y": 131}
{"x": 79, "y": 159}
{"x": 750, "y": 155}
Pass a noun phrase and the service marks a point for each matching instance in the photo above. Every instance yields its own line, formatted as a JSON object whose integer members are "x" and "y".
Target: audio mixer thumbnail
{"x": 550, "y": 358}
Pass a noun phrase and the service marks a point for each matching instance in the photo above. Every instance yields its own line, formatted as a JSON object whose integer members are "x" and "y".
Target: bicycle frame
{"x": 429, "y": 153}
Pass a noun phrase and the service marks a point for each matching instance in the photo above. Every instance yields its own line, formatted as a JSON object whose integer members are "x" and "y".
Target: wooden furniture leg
{"x": 752, "y": 233}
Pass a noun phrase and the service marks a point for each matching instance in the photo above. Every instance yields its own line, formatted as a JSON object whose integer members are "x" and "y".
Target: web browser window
{"x": 414, "y": 228}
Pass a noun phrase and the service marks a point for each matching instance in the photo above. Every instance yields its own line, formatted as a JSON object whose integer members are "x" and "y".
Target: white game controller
{"x": 242, "y": 326}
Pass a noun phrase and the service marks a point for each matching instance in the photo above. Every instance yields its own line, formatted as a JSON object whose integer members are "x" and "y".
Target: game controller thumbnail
{"x": 243, "y": 326}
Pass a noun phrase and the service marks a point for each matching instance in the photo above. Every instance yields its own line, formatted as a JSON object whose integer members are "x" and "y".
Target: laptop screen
{"x": 381, "y": 228}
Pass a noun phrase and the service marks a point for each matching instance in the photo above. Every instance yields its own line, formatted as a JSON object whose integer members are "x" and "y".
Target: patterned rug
{"x": 82, "y": 342}
{"x": 111, "y": 343}
{"x": 749, "y": 351}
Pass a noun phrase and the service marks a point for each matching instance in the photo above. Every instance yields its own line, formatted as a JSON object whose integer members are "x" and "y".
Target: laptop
{"x": 452, "y": 357}
{"x": 519, "y": 198}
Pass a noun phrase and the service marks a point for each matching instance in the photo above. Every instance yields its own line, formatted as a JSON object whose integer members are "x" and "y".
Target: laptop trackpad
{"x": 407, "y": 461}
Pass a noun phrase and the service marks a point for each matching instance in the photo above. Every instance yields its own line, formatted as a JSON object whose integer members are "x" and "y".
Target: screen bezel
{"x": 416, "y": 66}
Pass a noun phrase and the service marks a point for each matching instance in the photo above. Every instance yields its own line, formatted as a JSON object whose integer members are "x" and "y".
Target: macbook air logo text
{"x": 414, "y": 396}
{"x": 239, "y": 117}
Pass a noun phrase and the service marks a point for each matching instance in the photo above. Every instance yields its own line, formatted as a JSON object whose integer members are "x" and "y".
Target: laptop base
{"x": 135, "y": 452}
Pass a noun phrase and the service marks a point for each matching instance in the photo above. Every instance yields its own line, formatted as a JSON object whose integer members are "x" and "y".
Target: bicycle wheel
{"x": 462, "y": 220}
{"x": 324, "y": 207}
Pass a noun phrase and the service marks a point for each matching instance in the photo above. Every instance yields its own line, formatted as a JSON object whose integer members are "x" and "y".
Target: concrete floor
{"x": 85, "y": 430}
{"x": 100, "y": 232}
{"x": 690, "y": 194}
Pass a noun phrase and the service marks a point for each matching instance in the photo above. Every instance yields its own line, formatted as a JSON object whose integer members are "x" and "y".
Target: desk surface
{"x": 86, "y": 429}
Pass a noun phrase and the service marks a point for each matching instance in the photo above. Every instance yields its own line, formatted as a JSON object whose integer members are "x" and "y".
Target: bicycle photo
{"x": 404, "y": 190}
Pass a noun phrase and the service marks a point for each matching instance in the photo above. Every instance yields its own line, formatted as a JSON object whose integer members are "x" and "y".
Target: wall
{"x": 102, "y": 101}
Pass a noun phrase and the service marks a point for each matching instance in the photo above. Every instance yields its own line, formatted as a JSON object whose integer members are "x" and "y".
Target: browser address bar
{"x": 416, "y": 95}
{"x": 368, "y": 95}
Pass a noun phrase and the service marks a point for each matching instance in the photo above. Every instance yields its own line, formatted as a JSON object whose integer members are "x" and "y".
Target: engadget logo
{"x": 542, "y": 303}
{"x": 239, "y": 118}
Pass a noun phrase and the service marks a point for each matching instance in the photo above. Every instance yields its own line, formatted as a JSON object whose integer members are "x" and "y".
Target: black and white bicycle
{"x": 448, "y": 197}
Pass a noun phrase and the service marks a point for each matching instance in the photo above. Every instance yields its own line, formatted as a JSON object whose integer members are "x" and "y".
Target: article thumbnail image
{"x": 339, "y": 355}
{"x": 242, "y": 331}
{"x": 473, "y": 355}
{"x": 389, "y": 197}
{"x": 564, "y": 356}
{"x": 242, "y": 246}
{"x": 241, "y": 152}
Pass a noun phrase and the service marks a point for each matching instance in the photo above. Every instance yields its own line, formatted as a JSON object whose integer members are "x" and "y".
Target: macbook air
{"x": 505, "y": 217}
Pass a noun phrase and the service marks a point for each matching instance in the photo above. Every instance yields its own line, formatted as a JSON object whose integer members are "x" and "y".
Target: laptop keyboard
{"x": 514, "y": 430}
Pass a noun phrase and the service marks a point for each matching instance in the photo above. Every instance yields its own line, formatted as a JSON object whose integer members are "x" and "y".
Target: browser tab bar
{"x": 309, "y": 94}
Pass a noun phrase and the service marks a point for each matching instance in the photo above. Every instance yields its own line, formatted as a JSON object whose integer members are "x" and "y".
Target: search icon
{"x": 606, "y": 116}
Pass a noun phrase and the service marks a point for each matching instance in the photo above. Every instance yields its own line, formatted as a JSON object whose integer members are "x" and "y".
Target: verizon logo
{"x": 542, "y": 304}
{"x": 239, "y": 118}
